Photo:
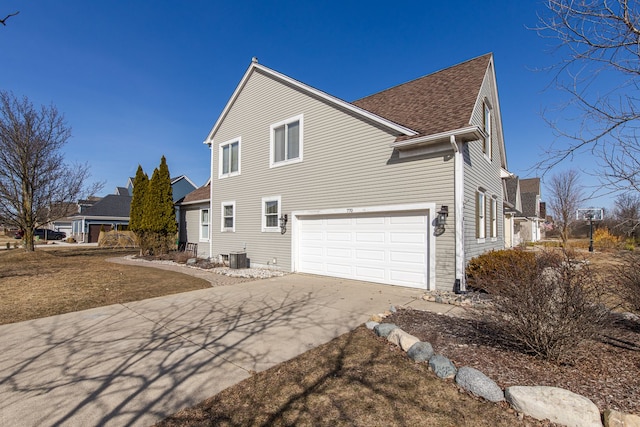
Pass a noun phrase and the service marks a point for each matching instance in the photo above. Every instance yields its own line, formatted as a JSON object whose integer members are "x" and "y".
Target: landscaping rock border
{"x": 540, "y": 402}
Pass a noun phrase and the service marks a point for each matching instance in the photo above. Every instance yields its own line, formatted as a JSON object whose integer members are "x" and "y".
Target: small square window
{"x": 271, "y": 213}
{"x": 228, "y": 215}
{"x": 229, "y": 153}
{"x": 286, "y": 141}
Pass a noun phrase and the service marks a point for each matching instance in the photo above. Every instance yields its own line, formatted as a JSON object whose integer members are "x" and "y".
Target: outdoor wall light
{"x": 441, "y": 219}
{"x": 283, "y": 223}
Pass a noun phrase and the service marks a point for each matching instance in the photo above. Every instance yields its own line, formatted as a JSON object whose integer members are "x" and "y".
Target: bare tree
{"x": 564, "y": 195}
{"x": 34, "y": 178}
{"x": 4, "y": 20}
{"x": 626, "y": 211}
{"x": 599, "y": 45}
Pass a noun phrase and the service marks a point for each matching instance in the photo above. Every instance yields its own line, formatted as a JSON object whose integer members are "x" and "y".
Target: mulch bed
{"x": 605, "y": 370}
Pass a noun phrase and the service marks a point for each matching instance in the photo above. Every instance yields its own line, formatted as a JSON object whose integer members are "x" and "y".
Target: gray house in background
{"x": 532, "y": 218}
{"x": 402, "y": 187}
{"x": 109, "y": 213}
{"x": 112, "y": 211}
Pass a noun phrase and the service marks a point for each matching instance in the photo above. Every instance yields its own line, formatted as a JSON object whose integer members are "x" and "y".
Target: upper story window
{"x": 229, "y": 154}
{"x": 486, "y": 146}
{"x": 286, "y": 141}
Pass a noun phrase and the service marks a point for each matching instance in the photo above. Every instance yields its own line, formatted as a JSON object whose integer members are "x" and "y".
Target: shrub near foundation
{"x": 546, "y": 305}
{"x": 485, "y": 270}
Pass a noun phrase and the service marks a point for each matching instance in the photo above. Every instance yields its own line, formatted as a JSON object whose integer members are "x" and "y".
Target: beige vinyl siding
{"x": 479, "y": 172}
{"x": 347, "y": 163}
{"x": 191, "y": 231}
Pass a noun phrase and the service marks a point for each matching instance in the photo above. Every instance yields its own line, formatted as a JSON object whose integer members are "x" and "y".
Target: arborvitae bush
{"x": 543, "y": 303}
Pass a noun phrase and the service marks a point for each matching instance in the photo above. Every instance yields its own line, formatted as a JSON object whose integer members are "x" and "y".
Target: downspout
{"x": 211, "y": 202}
{"x": 458, "y": 201}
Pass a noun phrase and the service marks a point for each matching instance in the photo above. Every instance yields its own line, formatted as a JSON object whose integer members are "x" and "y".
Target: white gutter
{"x": 458, "y": 195}
{"x": 469, "y": 133}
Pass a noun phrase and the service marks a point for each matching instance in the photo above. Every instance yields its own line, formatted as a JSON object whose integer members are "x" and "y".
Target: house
{"x": 193, "y": 220}
{"x": 180, "y": 187}
{"x": 109, "y": 213}
{"x": 402, "y": 187}
{"x": 512, "y": 210}
{"x": 112, "y": 211}
{"x": 531, "y": 218}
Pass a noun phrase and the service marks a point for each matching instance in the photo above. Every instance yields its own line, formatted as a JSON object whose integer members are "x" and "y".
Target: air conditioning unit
{"x": 238, "y": 260}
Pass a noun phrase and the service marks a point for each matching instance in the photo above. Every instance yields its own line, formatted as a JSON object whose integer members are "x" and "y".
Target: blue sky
{"x": 140, "y": 79}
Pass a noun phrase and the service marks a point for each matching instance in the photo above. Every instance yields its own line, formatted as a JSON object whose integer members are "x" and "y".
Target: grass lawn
{"x": 55, "y": 281}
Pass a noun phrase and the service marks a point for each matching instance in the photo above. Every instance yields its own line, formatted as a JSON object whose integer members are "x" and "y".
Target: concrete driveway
{"x": 134, "y": 364}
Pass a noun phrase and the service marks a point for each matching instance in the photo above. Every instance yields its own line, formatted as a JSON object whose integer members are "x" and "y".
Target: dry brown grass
{"x": 56, "y": 281}
{"x": 355, "y": 380}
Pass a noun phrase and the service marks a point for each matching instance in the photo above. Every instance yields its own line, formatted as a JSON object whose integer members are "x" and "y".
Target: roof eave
{"x": 466, "y": 134}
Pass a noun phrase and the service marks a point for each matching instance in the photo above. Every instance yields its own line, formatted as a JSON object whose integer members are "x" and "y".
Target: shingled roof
{"x": 435, "y": 103}
{"x": 198, "y": 195}
{"x": 112, "y": 205}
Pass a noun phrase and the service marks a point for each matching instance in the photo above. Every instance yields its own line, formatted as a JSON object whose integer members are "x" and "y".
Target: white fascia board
{"x": 106, "y": 218}
{"x": 194, "y": 202}
{"x": 496, "y": 109}
{"x": 469, "y": 133}
{"x": 305, "y": 88}
{"x": 505, "y": 173}
{"x": 184, "y": 177}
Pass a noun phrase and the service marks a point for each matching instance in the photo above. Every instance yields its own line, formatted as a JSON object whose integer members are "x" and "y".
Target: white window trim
{"x": 274, "y": 164}
{"x": 487, "y": 146}
{"x": 482, "y": 215}
{"x": 204, "y": 239}
{"x": 493, "y": 218}
{"x": 224, "y": 229}
{"x": 220, "y": 147}
{"x": 275, "y": 229}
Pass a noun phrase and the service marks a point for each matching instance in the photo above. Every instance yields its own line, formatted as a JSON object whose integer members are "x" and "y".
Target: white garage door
{"x": 384, "y": 248}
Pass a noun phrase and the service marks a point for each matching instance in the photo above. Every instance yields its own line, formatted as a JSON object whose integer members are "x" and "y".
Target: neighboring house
{"x": 531, "y": 219}
{"x": 112, "y": 211}
{"x": 512, "y": 210}
{"x": 306, "y": 182}
{"x": 108, "y": 213}
{"x": 180, "y": 187}
{"x": 194, "y": 219}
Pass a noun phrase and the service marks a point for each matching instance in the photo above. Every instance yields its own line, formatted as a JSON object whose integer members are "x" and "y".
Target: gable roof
{"x": 330, "y": 99}
{"x": 111, "y": 205}
{"x": 435, "y": 103}
{"x": 530, "y": 185}
{"x": 202, "y": 194}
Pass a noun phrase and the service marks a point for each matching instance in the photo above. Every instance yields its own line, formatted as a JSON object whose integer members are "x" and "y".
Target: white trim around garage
{"x": 428, "y": 208}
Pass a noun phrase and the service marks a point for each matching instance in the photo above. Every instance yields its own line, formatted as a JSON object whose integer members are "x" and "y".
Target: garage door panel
{"x": 370, "y": 273}
{"x": 370, "y": 255}
{"x": 387, "y": 248}
{"x": 369, "y": 237}
{"x": 344, "y": 236}
{"x": 407, "y": 257}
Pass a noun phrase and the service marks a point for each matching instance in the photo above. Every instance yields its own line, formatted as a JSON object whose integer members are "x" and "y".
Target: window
{"x": 204, "y": 224}
{"x": 486, "y": 148}
{"x": 286, "y": 141}
{"x": 229, "y": 153}
{"x": 481, "y": 208}
{"x": 228, "y": 215}
{"x": 270, "y": 213}
{"x": 493, "y": 217}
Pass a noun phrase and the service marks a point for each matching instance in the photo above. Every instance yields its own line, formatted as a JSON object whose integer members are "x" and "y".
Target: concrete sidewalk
{"x": 136, "y": 363}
